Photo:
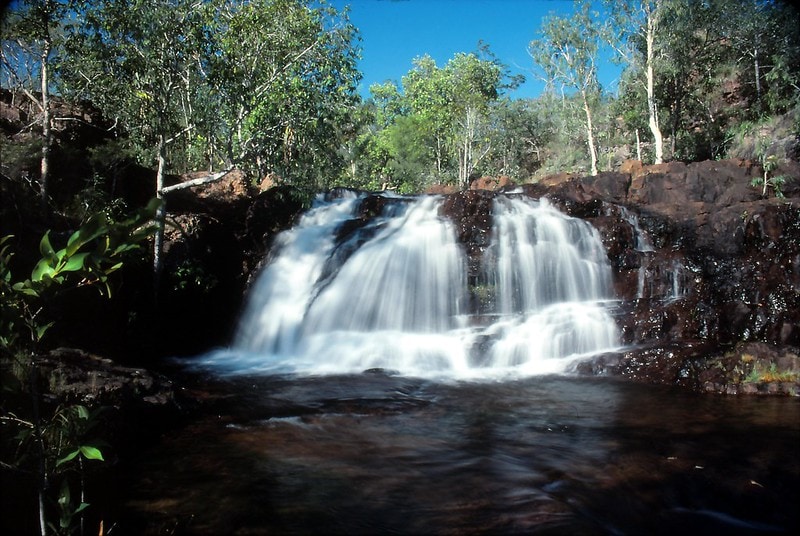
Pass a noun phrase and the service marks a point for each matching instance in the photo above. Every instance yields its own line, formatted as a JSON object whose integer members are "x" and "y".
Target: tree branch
{"x": 214, "y": 177}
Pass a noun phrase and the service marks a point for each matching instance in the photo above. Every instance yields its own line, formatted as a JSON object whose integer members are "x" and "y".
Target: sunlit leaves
{"x": 89, "y": 256}
{"x": 287, "y": 76}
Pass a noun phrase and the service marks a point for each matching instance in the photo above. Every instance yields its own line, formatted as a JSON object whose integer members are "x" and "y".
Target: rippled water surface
{"x": 378, "y": 454}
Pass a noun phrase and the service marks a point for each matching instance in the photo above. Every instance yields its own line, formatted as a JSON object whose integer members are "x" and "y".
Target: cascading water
{"x": 552, "y": 278}
{"x": 343, "y": 294}
{"x": 643, "y": 243}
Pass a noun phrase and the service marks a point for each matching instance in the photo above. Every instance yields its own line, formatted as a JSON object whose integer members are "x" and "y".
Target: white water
{"x": 643, "y": 243}
{"x": 394, "y": 295}
{"x": 552, "y": 278}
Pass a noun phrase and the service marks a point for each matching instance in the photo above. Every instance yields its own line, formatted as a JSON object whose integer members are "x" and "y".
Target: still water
{"x": 379, "y": 454}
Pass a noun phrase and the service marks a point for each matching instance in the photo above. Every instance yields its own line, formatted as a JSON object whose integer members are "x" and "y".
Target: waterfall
{"x": 552, "y": 278}
{"x": 643, "y": 243}
{"x": 344, "y": 293}
{"x": 277, "y": 302}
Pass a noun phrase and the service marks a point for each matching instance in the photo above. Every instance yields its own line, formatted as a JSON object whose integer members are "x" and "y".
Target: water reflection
{"x": 546, "y": 455}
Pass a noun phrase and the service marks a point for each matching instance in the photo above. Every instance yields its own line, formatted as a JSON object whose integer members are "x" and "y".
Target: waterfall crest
{"x": 343, "y": 293}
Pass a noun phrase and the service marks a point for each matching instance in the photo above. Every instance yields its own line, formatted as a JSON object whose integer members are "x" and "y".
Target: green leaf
{"x": 24, "y": 288}
{"x": 91, "y": 453}
{"x": 123, "y": 248}
{"x": 88, "y": 232}
{"x": 42, "y": 269}
{"x": 83, "y": 506}
{"x": 68, "y": 457}
{"x": 41, "y": 330}
{"x": 64, "y": 494}
{"x": 75, "y": 262}
{"x": 45, "y": 248}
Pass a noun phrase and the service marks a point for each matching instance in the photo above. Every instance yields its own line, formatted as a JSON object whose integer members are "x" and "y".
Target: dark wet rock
{"x": 669, "y": 363}
{"x": 270, "y": 212}
{"x": 721, "y": 267}
{"x": 471, "y": 213}
{"x": 74, "y": 376}
{"x": 379, "y": 371}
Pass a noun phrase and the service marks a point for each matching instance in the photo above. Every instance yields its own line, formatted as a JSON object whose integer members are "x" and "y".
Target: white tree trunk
{"x": 158, "y": 242}
{"x": 757, "y": 69}
{"x": 638, "y": 147}
{"x": 463, "y": 165}
{"x": 46, "y": 131}
{"x": 590, "y": 133}
{"x": 658, "y": 139}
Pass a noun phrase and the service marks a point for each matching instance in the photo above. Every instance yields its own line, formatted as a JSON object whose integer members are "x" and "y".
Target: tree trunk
{"x": 638, "y": 147}
{"x": 757, "y": 69}
{"x": 658, "y": 139}
{"x": 590, "y": 133}
{"x": 161, "y": 213}
{"x": 46, "y": 132}
{"x": 438, "y": 157}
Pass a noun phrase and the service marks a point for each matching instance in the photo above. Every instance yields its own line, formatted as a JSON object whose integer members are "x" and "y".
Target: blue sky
{"x": 394, "y": 32}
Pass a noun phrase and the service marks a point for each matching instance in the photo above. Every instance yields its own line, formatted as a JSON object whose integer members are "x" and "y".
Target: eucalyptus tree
{"x": 691, "y": 69}
{"x": 635, "y": 27}
{"x": 475, "y": 84}
{"x": 138, "y": 61}
{"x": 31, "y": 37}
{"x": 262, "y": 83}
{"x": 285, "y": 75}
{"x": 409, "y": 153}
{"x": 387, "y": 102}
{"x": 397, "y": 143}
{"x": 454, "y": 105}
{"x": 427, "y": 94}
{"x": 630, "y": 105}
{"x": 764, "y": 37}
{"x": 567, "y": 51}
{"x": 520, "y": 134}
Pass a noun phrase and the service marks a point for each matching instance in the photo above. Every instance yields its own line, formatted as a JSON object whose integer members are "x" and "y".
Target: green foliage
{"x": 191, "y": 275}
{"x": 89, "y": 256}
{"x": 62, "y": 444}
{"x": 568, "y": 52}
{"x": 57, "y": 447}
{"x": 17, "y": 158}
{"x": 410, "y": 159}
{"x": 286, "y": 74}
{"x": 439, "y": 127}
{"x": 762, "y": 373}
{"x": 270, "y": 86}
{"x": 769, "y": 163}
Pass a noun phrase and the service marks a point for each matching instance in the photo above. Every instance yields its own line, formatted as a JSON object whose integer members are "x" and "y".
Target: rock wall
{"x": 703, "y": 267}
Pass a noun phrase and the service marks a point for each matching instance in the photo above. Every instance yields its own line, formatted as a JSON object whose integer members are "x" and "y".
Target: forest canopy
{"x": 270, "y": 87}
